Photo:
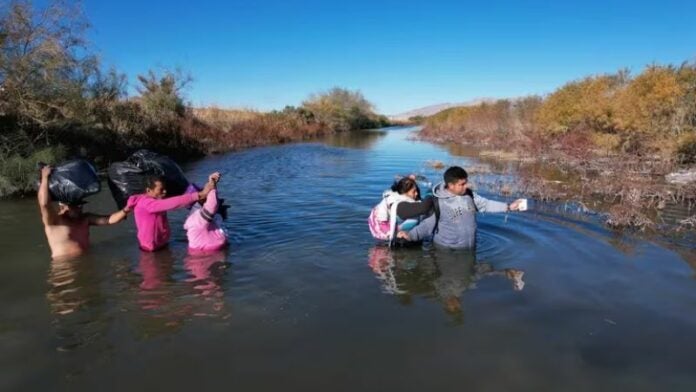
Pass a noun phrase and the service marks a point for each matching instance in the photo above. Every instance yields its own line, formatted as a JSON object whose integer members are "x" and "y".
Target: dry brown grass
{"x": 222, "y": 130}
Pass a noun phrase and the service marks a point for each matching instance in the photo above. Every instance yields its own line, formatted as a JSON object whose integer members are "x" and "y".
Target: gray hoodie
{"x": 457, "y": 226}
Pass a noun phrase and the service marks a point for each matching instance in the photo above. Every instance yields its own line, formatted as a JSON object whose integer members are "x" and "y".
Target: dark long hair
{"x": 404, "y": 185}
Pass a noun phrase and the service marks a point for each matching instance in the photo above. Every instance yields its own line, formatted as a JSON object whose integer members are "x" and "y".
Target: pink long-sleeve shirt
{"x": 203, "y": 233}
{"x": 151, "y": 218}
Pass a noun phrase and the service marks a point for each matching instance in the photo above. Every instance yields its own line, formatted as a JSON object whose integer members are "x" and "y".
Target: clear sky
{"x": 402, "y": 55}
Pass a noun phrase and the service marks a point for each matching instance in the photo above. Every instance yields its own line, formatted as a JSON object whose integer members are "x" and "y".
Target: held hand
{"x": 214, "y": 178}
{"x": 46, "y": 171}
{"x": 209, "y": 186}
{"x": 403, "y": 235}
{"x": 515, "y": 205}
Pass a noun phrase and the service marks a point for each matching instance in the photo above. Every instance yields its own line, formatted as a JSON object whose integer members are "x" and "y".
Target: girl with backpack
{"x": 400, "y": 203}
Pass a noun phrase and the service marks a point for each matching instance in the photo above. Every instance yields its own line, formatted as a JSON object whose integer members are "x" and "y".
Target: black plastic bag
{"x": 72, "y": 181}
{"x": 125, "y": 179}
{"x": 128, "y": 178}
{"x": 161, "y": 165}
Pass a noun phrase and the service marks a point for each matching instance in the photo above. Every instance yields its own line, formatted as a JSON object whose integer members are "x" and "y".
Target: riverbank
{"x": 627, "y": 140}
{"x": 195, "y": 133}
{"x": 628, "y": 191}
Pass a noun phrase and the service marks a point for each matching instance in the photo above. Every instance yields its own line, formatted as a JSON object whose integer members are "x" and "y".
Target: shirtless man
{"x": 67, "y": 227}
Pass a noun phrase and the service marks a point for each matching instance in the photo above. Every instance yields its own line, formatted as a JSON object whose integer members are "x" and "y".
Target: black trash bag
{"x": 125, "y": 179}
{"x": 72, "y": 181}
{"x": 128, "y": 178}
{"x": 161, "y": 165}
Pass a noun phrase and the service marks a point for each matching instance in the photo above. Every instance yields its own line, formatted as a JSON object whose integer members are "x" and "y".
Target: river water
{"x": 305, "y": 300}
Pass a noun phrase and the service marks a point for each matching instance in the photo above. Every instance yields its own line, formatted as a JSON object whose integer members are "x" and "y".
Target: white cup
{"x": 523, "y": 205}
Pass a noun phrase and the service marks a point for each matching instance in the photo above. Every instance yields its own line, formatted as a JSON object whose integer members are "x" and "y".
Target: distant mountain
{"x": 434, "y": 109}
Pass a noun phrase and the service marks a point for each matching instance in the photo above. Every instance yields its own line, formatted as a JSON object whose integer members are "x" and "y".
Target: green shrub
{"x": 19, "y": 174}
{"x": 343, "y": 110}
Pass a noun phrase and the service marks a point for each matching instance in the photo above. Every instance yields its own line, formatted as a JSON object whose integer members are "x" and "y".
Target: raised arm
{"x": 48, "y": 214}
{"x": 211, "y": 202}
{"x": 172, "y": 203}
{"x": 486, "y": 205}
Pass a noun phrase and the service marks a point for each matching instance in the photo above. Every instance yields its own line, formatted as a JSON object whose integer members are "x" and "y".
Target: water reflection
{"x": 72, "y": 285}
{"x": 358, "y": 139}
{"x": 155, "y": 268}
{"x": 441, "y": 274}
{"x": 169, "y": 295}
{"x": 76, "y": 300}
{"x": 207, "y": 270}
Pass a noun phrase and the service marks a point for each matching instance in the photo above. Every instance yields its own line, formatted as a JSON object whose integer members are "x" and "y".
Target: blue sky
{"x": 400, "y": 54}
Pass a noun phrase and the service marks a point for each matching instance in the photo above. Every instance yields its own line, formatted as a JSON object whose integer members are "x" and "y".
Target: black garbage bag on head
{"x": 125, "y": 179}
{"x": 128, "y": 178}
{"x": 72, "y": 181}
{"x": 161, "y": 165}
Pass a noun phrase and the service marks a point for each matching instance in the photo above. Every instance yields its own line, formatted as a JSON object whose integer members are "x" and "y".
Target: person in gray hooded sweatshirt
{"x": 458, "y": 205}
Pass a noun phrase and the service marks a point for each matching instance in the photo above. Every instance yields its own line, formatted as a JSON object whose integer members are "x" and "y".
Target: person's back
{"x": 67, "y": 236}
{"x": 203, "y": 232}
{"x": 67, "y": 229}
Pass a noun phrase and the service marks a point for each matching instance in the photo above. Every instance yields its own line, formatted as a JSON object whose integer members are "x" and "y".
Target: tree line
{"x": 57, "y": 100}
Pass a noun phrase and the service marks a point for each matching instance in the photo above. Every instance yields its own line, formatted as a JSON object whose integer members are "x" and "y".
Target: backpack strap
{"x": 470, "y": 193}
{"x": 436, "y": 207}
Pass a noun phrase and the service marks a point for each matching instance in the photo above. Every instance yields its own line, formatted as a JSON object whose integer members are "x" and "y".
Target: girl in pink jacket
{"x": 203, "y": 226}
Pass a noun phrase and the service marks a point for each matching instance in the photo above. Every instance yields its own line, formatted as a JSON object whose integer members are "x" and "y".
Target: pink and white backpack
{"x": 383, "y": 219}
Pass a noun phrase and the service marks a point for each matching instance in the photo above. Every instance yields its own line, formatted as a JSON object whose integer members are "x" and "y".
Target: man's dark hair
{"x": 454, "y": 174}
{"x": 151, "y": 181}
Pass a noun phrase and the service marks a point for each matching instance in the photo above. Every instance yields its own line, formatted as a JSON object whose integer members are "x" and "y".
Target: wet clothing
{"x": 414, "y": 210}
{"x": 385, "y": 217}
{"x": 151, "y": 218}
{"x": 456, "y": 227}
{"x": 203, "y": 226}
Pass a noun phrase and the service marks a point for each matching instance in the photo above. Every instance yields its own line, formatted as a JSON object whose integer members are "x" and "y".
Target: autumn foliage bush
{"x": 653, "y": 113}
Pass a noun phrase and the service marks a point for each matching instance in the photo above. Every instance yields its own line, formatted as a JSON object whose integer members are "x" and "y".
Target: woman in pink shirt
{"x": 150, "y": 210}
{"x": 202, "y": 227}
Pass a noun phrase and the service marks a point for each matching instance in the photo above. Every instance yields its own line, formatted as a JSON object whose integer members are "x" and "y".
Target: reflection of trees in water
{"x": 442, "y": 274}
{"x": 166, "y": 299}
{"x": 355, "y": 139}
